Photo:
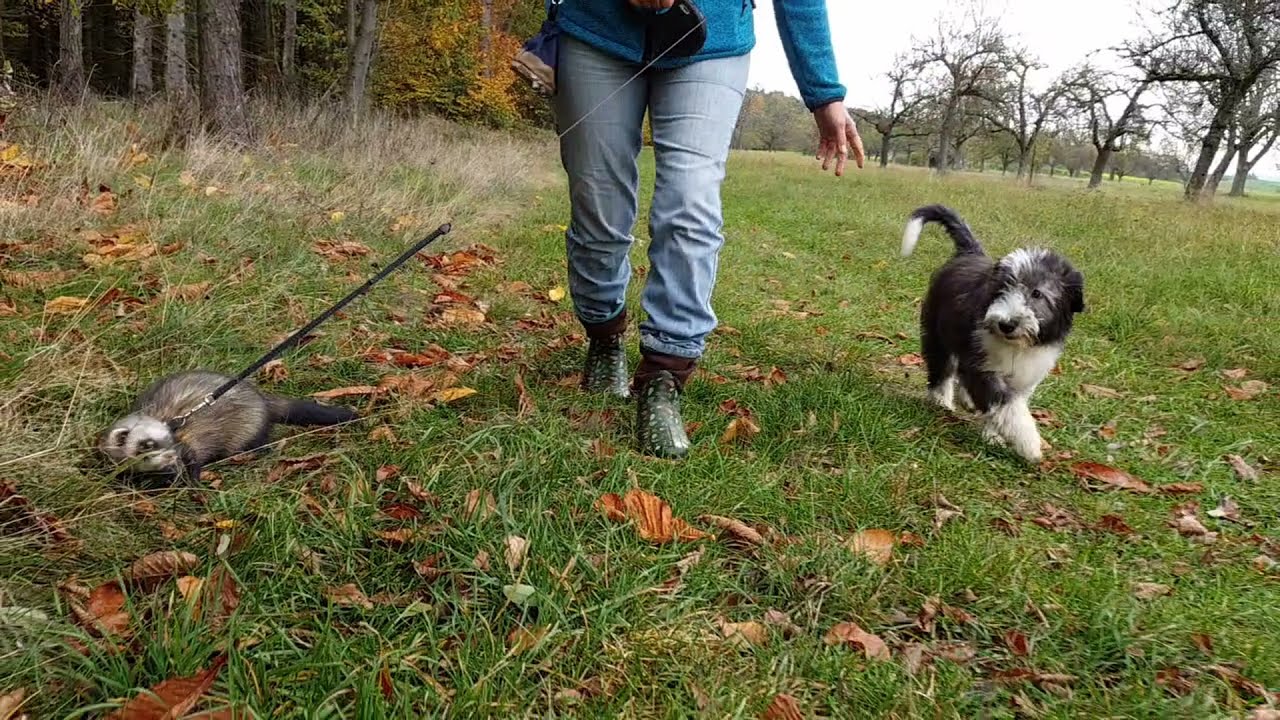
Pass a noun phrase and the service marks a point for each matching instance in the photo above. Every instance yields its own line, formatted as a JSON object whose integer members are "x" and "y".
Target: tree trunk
{"x": 259, "y": 47}
{"x": 944, "y": 138}
{"x": 1022, "y": 162}
{"x": 289, "y": 44}
{"x": 885, "y": 140}
{"x": 1099, "y": 166}
{"x": 353, "y": 21}
{"x": 1242, "y": 173}
{"x": 1215, "y": 179}
{"x": 486, "y": 37}
{"x": 362, "y": 57}
{"x": 222, "y": 103}
{"x": 176, "y": 85}
{"x": 143, "y": 35}
{"x": 70, "y": 71}
{"x": 1209, "y": 150}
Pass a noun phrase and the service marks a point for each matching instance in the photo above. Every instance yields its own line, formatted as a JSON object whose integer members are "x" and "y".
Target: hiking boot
{"x": 605, "y": 369}
{"x": 659, "y": 426}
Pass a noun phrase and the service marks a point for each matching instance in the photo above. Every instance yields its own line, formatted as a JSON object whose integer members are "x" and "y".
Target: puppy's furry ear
{"x": 1075, "y": 290}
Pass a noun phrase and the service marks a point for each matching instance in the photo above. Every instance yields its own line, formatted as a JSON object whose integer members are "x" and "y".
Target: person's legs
{"x": 599, "y": 156}
{"x": 693, "y": 111}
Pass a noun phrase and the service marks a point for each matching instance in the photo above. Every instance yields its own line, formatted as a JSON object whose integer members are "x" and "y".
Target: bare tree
{"x": 1093, "y": 93}
{"x": 903, "y": 105}
{"x": 176, "y": 85}
{"x": 222, "y": 103}
{"x": 362, "y": 56}
{"x": 1257, "y": 126}
{"x": 69, "y": 76}
{"x": 1019, "y": 111}
{"x": 144, "y": 33}
{"x": 1229, "y": 44}
{"x": 965, "y": 57}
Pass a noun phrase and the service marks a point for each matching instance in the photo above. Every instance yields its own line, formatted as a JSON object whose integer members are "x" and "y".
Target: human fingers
{"x": 855, "y": 143}
{"x": 824, "y": 153}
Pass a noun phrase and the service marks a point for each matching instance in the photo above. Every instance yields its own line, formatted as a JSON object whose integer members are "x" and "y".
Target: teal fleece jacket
{"x": 614, "y": 27}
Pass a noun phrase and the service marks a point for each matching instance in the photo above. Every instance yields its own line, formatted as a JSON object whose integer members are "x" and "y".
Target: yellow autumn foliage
{"x": 437, "y": 56}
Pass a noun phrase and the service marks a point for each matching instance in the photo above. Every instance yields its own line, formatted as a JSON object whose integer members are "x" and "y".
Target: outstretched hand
{"x": 837, "y": 137}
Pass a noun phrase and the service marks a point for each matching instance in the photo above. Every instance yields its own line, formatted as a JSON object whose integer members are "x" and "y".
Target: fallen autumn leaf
{"x": 1100, "y": 391}
{"x": 348, "y": 594}
{"x": 480, "y": 504}
{"x": 65, "y": 305}
{"x": 744, "y": 633}
{"x": 653, "y": 517}
{"x": 783, "y": 707}
{"x": 875, "y": 545}
{"x": 847, "y": 633}
{"x": 1111, "y": 476}
{"x": 515, "y": 549}
{"x": 736, "y": 528}
{"x": 1242, "y": 468}
{"x": 1149, "y": 590}
{"x": 150, "y": 569}
{"x": 1183, "y": 519}
{"x": 740, "y": 428}
{"x": 172, "y": 698}
{"x": 522, "y": 640}
{"x": 1248, "y": 390}
{"x": 1227, "y": 510}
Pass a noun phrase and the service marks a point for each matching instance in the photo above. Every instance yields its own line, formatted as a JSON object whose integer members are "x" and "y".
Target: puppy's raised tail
{"x": 966, "y": 243}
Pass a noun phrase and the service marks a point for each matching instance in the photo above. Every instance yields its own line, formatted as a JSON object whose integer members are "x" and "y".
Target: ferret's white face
{"x": 142, "y": 441}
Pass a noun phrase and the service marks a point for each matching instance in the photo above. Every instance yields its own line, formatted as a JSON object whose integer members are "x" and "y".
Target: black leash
{"x": 288, "y": 342}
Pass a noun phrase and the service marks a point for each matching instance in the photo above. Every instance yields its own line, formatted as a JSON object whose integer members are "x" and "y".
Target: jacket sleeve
{"x": 806, "y": 40}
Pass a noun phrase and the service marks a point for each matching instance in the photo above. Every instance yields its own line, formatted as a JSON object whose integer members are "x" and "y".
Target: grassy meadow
{"x": 447, "y": 556}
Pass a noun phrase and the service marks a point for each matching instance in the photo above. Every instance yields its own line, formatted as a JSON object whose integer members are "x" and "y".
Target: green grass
{"x": 846, "y": 443}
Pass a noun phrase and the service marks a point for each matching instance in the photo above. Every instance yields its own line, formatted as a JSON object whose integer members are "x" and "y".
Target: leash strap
{"x": 293, "y": 339}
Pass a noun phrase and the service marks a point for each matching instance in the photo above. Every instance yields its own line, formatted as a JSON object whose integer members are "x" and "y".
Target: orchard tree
{"x": 1257, "y": 127}
{"x": 962, "y": 60}
{"x": 1229, "y": 45}
{"x": 903, "y": 108}
{"x": 1093, "y": 93}
{"x": 1019, "y": 111}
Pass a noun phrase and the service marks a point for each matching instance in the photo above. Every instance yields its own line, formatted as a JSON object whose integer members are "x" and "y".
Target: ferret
{"x": 145, "y": 441}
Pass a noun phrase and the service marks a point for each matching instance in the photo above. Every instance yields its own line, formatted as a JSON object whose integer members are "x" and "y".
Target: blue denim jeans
{"x": 692, "y": 112}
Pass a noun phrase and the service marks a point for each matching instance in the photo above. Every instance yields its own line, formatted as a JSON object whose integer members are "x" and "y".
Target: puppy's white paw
{"x": 991, "y": 434}
{"x": 944, "y": 395}
{"x": 1016, "y": 429}
{"x": 963, "y": 399}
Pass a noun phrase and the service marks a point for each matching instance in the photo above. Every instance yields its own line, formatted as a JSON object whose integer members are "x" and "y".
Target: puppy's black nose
{"x": 1007, "y": 327}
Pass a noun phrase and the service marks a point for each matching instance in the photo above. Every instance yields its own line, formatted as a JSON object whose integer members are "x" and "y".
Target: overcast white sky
{"x": 868, "y": 33}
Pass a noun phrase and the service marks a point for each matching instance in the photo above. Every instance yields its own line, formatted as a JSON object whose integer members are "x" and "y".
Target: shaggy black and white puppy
{"x": 994, "y": 328}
